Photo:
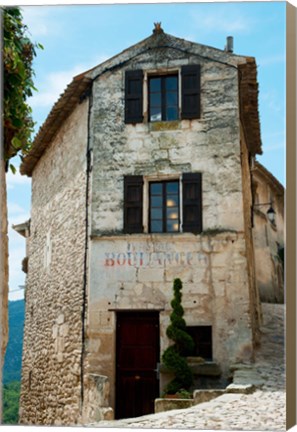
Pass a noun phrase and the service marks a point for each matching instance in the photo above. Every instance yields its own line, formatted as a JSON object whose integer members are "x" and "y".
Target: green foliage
{"x": 18, "y": 54}
{"x": 13, "y": 355}
{"x": 11, "y": 396}
{"x": 174, "y": 356}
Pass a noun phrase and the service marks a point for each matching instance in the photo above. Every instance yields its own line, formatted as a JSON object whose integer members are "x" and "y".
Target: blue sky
{"x": 76, "y": 38}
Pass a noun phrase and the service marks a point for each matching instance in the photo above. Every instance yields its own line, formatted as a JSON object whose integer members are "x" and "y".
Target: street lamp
{"x": 270, "y": 212}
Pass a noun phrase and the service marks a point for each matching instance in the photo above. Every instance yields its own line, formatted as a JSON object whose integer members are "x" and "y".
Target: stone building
{"x": 140, "y": 174}
{"x": 268, "y": 234}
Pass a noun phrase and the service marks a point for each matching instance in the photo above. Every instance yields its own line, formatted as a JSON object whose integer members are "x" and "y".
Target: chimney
{"x": 229, "y": 46}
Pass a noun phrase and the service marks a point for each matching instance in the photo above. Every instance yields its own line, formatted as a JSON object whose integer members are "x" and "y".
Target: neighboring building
{"x": 268, "y": 235}
{"x": 140, "y": 174}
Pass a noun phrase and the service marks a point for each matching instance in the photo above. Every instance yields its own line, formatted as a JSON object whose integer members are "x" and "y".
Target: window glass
{"x": 156, "y": 188}
{"x": 155, "y": 84}
{"x": 163, "y": 98}
{"x": 164, "y": 206}
{"x": 156, "y": 201}
{"x": 156, "y": 226}
{"x": 171, "y": 83}
{"x": 172, "y": 226}
{"x": 156, "y": 114}
{"x": 155, "y": 100}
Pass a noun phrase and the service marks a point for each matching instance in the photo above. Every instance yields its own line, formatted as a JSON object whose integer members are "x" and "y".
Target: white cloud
{"x": 268, "y": 61}
{"x": 15, "y": 180}
{"x": 38, "y": 21}
{"x": 226, "y": 21}
{"x": 54, "y": 84}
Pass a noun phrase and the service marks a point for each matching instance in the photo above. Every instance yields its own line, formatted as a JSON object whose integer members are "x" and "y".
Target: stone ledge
{"x": 172, "y": 404}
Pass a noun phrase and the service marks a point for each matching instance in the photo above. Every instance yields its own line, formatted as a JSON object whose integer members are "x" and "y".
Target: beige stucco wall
{"x": 50, "y": 391}
{"x": 268, "y": 237}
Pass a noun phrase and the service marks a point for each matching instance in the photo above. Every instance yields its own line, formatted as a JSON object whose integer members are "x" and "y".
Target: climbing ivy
{"x": 174, "y": 357}
{"x": 18, "y": 55}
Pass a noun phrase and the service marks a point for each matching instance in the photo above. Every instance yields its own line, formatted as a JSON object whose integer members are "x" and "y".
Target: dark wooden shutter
{"x": 190, "y": 92}
{"x": 192, "y": 203}
{"x": 133, "y": 204}
{"x": 134, "y": 96}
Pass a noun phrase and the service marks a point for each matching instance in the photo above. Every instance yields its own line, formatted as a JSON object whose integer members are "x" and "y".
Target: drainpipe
{"x": 88, "y": 94}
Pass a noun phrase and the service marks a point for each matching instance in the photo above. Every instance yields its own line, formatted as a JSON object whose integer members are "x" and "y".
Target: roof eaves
{"x": 249, "y": 106}
{"x": 59, "y": 113}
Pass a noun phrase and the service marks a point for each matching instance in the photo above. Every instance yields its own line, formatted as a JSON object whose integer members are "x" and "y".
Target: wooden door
{"x": 138, "y": 350}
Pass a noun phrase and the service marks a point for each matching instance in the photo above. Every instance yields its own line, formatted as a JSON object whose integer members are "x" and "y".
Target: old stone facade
{"x": 106, "y": 167}
{"x": 268, "y": 235}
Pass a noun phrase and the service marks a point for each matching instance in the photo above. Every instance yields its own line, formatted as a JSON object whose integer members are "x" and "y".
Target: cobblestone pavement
{"x": 264, "y": 409}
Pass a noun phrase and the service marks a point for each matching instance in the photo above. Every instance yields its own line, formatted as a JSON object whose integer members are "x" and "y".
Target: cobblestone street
{"x": 264, "y": 409}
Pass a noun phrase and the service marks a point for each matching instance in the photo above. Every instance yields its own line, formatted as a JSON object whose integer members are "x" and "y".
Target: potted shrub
{"x": 174, "y": 357}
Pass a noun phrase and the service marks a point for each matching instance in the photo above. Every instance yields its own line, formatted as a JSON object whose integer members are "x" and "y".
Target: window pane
{"x": 155, "y": 114}
{"x": 172, "y": 226}
{"x": 155, "y": 84}
{"x": 171, "y": 113}
{"x": 156, "y": 188}
{"x": 171, "y": 83}
{"x": 156, "y": 213}
{"x": 172, "y": 213}
{"x": 171, "y": 100}
{"x": 156, "y": 226}
{"x": 155, "y": 100}
{"x": 172, "y": 201}
{"x": 156, "y": 201}
{"x": 172, "y": 187}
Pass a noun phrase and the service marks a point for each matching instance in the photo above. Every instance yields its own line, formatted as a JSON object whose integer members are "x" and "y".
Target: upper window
{"x": 169, "y": 209}
{"x": 163, "y": 98}
{"x": 163, "y": 95}
{"x": 164, "y": 207}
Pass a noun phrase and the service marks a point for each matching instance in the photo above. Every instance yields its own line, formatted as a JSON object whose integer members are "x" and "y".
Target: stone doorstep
{"x": 206, "y": 395}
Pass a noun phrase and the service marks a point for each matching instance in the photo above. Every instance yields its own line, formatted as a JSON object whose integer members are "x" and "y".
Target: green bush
{"x": 11, "y": 396}
{"x": 174, "y": 356}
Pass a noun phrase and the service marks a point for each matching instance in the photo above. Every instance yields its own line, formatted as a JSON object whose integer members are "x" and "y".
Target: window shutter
{"x": 190, "y": 92}
{"x": 192, "y": 203}
{"x": 134, "y": 96}
{"x": 133, "y": 204}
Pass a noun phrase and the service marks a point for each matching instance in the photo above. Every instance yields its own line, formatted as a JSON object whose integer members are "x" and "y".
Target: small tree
{"x": 174, "y": 356}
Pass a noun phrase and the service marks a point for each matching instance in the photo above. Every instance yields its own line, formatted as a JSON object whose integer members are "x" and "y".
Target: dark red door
{"x": 138, "y": 349}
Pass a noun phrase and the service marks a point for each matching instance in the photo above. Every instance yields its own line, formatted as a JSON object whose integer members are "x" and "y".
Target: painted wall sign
{"x": 153, "y": 259}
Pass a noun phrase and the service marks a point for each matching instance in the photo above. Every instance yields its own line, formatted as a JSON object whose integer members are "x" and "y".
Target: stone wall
{"x": 136, "y": 272}
{"x": 50, "y": 390}
{"x": 210, "y": 145}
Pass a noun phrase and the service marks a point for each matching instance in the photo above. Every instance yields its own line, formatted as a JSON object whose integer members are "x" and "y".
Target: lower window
{"x": 202, "y": 336}
{"x": 164, "y": 207}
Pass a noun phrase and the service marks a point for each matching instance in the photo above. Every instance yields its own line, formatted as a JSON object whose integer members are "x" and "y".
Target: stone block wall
{"x": 210, "y": 145}
{"x": 136, "y": 273}
{"x": 50, "y": 389}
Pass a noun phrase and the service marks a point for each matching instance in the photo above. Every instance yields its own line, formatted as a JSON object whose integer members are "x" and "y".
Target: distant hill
{"x": 13, "y": 356}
